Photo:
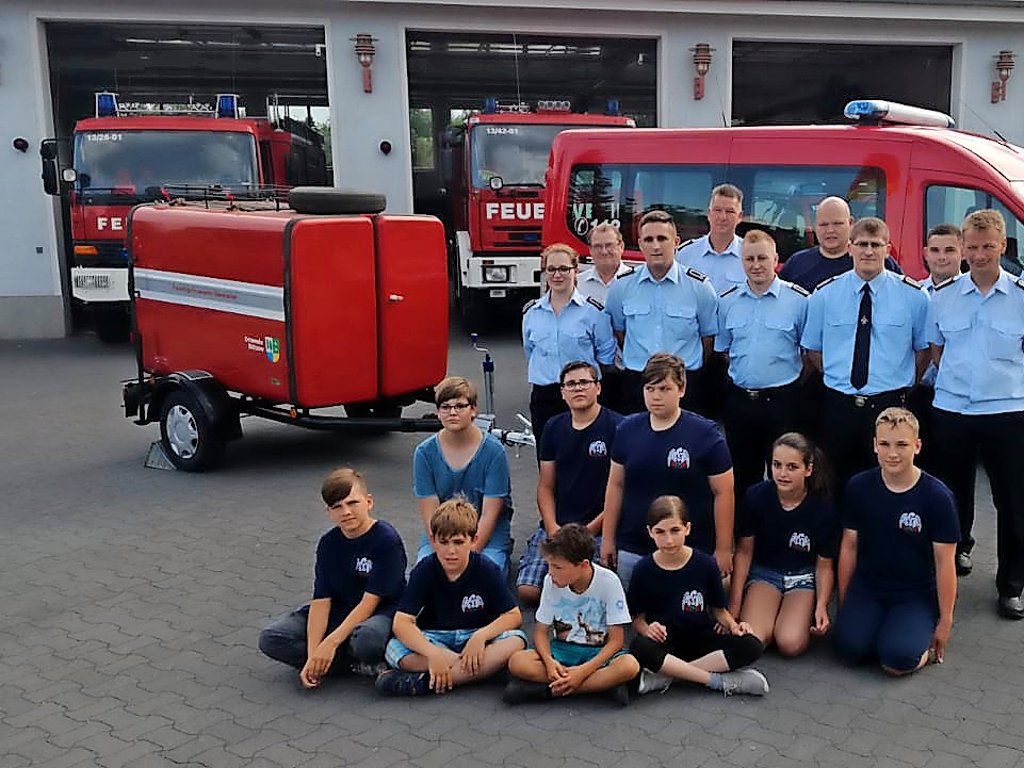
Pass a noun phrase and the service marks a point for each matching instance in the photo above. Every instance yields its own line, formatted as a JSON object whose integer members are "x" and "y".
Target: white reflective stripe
{"x": 234, "y": 296}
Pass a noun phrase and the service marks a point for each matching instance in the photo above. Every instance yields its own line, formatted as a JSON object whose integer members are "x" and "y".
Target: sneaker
{"x": 1011, "y": 608}
{"x": 395, "y": 682}
{"x": 963, "y": 563}
{"x": 523, "y": 691}
{"x": 744, "y": 681}
{"x": 365, "y": 669}
{"x": 620, "y": 694}
{"x": 653, "y": 682}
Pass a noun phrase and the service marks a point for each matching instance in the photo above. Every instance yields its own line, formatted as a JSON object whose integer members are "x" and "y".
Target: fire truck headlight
{"x": 496, "y": 274}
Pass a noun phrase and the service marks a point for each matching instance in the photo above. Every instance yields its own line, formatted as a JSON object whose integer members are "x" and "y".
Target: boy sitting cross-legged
{"x": 586, "y": 607}
{"x": 457, "y": 621}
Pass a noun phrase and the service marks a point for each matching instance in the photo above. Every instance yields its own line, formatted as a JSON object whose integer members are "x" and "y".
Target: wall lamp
{"x": 1004, "y": 65}
{"x": 701, "y": 63}
{"x": 365, "y": 51}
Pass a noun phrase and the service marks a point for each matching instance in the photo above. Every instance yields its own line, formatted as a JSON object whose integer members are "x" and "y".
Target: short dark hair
{"x": 656, "y": 217}
{"x": 665, "y": 507}
{"x": 572, "y": 542}
{"x": 941, "y": 230}
{"x": 339, "y": 484}
{"x": 663, "y": 366}
{"x": 870, "y": 225}
{"x": 576, "y": 365}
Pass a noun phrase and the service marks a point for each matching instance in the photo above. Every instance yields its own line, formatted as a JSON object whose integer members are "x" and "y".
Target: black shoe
{"x": 963, "y": 563}
{"x": 1011, "y": 607}
{"x": 620, "y": 695}
{"x": 522, "y": 691}
{"x": 395, "y": 682}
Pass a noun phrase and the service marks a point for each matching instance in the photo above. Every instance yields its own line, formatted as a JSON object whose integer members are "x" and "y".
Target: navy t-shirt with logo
{"x": 346, "y": 568}
{"x": 475, "y": 599}
{"x": 896, "y": 531}
{"x": 682, "y": 599}
{"x": 582, "y": 458}
{"x": 788, "y": 540}
{"x": 676, "y": 461}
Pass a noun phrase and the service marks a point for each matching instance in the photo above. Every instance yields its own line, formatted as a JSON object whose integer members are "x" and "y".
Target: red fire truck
{"x": 495, "y": 171}
{"x": 902, "y": 164}
{"x": 127, "y": 155}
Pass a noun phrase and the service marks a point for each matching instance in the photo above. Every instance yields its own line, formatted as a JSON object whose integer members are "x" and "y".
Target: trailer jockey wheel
{"x": 189, "y": 438}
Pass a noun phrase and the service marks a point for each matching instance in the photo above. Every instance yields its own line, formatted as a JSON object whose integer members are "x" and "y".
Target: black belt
{"x": 757, "y": 394}
{"x": 863, "y": 401}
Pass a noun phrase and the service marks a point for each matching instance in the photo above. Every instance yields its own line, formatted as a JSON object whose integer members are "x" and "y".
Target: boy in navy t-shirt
{"x": 359, "y": 576}
{"x": 575, "y": 453}
{"x": 457, "y": 622}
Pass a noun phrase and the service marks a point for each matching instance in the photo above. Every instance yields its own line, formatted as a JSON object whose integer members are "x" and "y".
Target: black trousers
{"x": 920, "y": 403}
{"x": 999, "y": 441}
{"x": 631, "y": 392}
{"x": 753, "y": 420}
{"x": 848, "y": 430}
{"x": 545, "y": 401}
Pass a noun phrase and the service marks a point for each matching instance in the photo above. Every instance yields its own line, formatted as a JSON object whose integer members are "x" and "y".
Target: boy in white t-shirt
{"x": 584, "y": 605}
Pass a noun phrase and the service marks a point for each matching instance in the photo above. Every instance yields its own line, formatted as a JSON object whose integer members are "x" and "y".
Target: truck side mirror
{"x": 48, "y": 154}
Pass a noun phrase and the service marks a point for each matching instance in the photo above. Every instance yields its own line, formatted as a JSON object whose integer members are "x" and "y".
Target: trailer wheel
{"x": 330, "y": 200}
{"x": 189, "y": 437}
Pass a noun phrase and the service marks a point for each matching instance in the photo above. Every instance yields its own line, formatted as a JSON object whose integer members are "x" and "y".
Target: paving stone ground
{"x": 131, "y": 600}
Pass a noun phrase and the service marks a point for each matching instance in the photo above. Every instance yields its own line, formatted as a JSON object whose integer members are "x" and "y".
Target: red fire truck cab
{"x": 495, "y": 168}
{"x": 250, "y": 308}
{"x": 125, "y": 156}
{"x": 902, "y": 164}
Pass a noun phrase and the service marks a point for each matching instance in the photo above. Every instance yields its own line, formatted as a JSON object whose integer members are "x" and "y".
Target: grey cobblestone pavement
{"x": 132, "y": 598}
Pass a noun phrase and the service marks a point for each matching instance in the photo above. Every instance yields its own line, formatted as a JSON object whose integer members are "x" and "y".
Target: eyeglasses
{"x": 874, "y": 245}
{"x": 453, "y": 407}
{"x": 578, "y": 383}
{"x": 561, "y": 270}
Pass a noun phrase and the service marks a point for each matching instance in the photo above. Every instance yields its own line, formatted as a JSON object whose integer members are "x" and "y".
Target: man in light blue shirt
{"x": 718, "y": 253}
{"x": 977, "y": 336}
{"x": 867, "y": 332}
{"x": 661, "y": 307}
{"x": 759, "y": 328}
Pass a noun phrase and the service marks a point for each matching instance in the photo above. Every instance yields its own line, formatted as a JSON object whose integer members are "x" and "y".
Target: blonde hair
{"x": 455, "y": 517}
{"x": 895, "y": 416}
{"x": 985, "y": 220}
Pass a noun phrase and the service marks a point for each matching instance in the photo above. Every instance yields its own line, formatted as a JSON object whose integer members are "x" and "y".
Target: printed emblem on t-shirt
{"x": 679, "y": 458}
{"x": 693, "y": 601}
{"x": 364, "y": 565}
{"x": 910, "y": 522}
{"x": 472, "y": 603}
{"x": 598, "y": 448}
{"x": 800, "y": 542}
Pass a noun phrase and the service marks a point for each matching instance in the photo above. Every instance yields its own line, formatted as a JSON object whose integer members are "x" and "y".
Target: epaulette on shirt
{"x": 911, "y": 282}
{"x": 683, "y": 245}
{"x": 826, "y": 281}
{"x": 728, "y": 291}
{"x": 798, "y": 288}
{"x": 947, "y": 281}
{"x": 1019, "y": 282}
{"x": 696, "y": 274}
{"x": 529, "y": 304}
{"x": 630, "y": 269}
{"x": 595, "y": 302}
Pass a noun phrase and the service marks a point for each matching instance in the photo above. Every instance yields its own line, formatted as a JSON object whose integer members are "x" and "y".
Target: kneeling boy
{"x": 457, "y": 621}
{"x": 360, "y": 573}
{"x": 586, "y": 606}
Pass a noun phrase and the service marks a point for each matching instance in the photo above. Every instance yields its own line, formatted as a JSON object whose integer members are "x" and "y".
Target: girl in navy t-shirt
{"x": 788, "y": 535}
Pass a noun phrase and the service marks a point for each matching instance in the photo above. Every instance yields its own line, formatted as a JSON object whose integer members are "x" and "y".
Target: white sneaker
{"x": 744, "y": 681}
{"x": 653, "y": 682}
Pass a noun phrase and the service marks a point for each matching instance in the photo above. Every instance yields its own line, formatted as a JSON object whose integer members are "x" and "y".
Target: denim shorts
{"x": 574, "y": 654}
{"x": 784, "y": 581}
{"x": 452, "y": 639}
{"x": 532, "y": 565}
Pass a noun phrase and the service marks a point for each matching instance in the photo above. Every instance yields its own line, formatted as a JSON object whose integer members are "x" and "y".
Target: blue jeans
{"x": 452, "y": 639}
{"x": 284, "y": 640}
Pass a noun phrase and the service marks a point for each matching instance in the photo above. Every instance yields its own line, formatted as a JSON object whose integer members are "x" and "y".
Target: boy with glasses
{"x": 575, "y": 455}
{"x": 462, "y": 460}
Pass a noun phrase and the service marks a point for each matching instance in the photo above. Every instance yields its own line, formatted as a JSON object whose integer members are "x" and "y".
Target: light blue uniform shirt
{"x": 928, "y": 377}
{"x": 899, "y": 328}
{"x": 982, "y": 366}
{"x": 762, "y": 334}
{"x": 724, "y": 269}
{"x": 668, "y": 315}
{"x": 581, "y": 331}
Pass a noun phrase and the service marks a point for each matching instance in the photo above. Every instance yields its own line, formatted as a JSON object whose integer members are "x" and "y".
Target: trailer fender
{"x": 217, "y": 405}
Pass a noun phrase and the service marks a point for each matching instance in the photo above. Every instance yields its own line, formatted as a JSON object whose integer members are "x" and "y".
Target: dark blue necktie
{"x": 862, "y": 344}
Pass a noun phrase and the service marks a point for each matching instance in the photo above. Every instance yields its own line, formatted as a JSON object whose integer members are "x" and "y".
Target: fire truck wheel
{"x": 189, "y": 438}
{"x": 112, "y": 327}
{"x": 330, "y": 200}
{"x": 476, "y": 316}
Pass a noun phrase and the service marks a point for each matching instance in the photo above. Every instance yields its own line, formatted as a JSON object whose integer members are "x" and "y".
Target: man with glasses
{"x": 558, "y": 328}
{"x": 662, "y": 307}
{"x": 462, "y": 460}
{"x": 977, "y": 335}
{"x": 866, "y": 332}
{"x": 606, "y": 248}
{"x": 575, "y": 455}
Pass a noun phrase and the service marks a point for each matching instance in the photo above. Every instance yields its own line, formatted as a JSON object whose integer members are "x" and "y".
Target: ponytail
{"x": 819, "y": 483}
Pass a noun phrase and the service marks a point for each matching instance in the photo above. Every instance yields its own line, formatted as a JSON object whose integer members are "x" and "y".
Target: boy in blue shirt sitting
{"x": 457, "y": 622}
{"x": 360, "y": 573}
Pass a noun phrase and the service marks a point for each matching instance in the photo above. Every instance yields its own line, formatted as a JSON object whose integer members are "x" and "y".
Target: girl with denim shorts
{"x": 788, "y": 536}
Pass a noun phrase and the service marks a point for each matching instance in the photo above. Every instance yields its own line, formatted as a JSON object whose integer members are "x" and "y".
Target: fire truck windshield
{"x": 131, "y": 162}
{"x": 516, "y": 153}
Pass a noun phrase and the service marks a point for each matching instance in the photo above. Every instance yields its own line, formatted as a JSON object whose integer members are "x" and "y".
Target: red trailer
{"x": 248, "y": 309}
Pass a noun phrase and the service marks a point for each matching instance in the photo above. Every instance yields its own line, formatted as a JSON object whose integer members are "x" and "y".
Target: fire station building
{"x": 386, "y": 78}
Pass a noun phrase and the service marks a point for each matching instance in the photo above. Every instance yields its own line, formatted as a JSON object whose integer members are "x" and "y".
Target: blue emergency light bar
{"x": 227, "y": 105}
{"x": 879, "y": 111}
{"x": 106, "y": 104}
{"x": 490, "y": 105}
{"x": 612, "y": 107}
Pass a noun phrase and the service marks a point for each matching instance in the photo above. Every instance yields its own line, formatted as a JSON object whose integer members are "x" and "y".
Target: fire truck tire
{"x": 190, "y": 439}
{"x": 476, "y": 316}
{"x": 112, "y": 326}
{"x": 330, "y": 200}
